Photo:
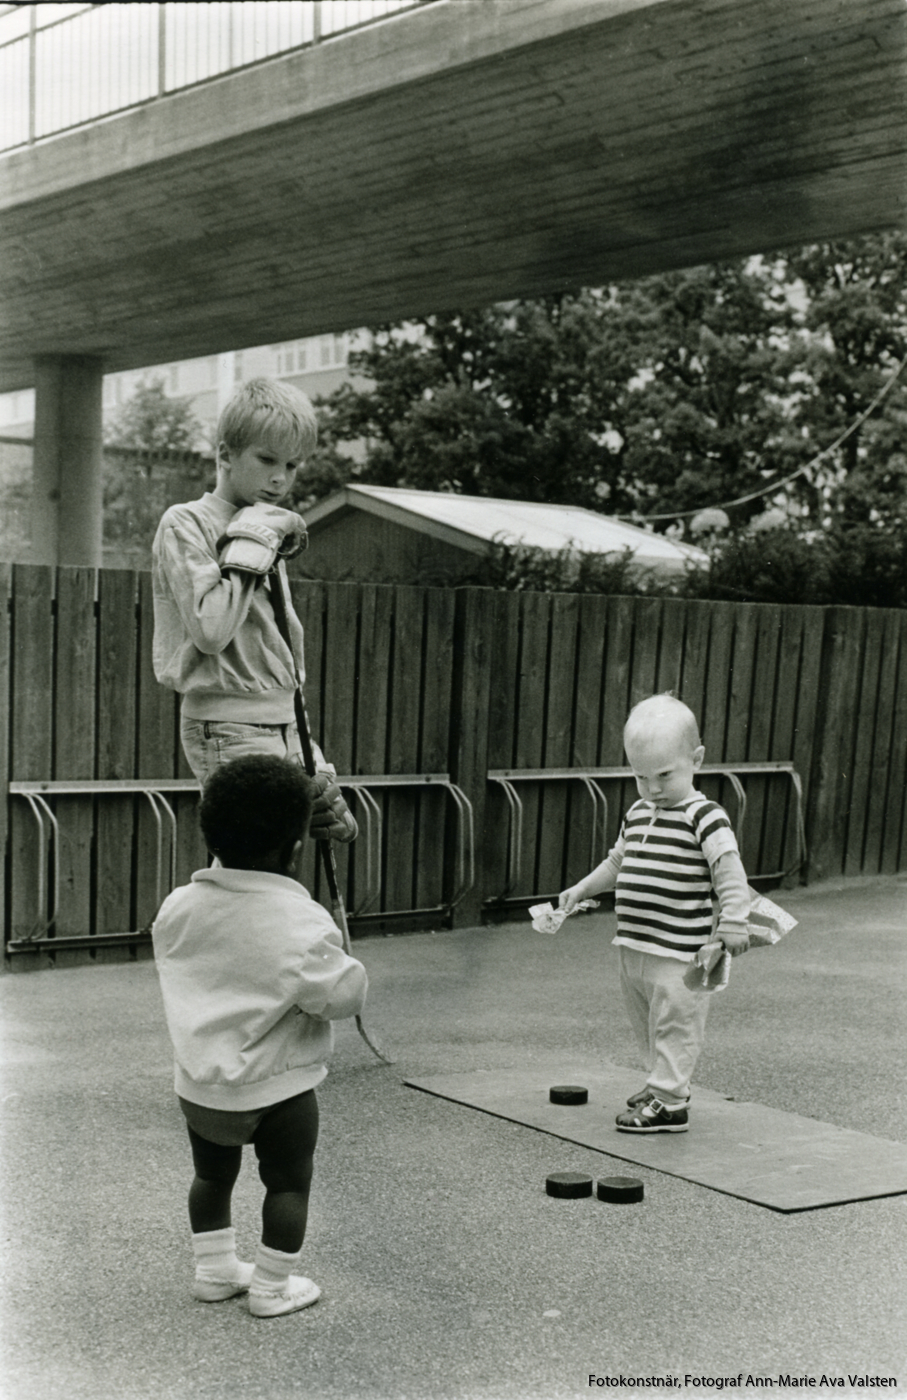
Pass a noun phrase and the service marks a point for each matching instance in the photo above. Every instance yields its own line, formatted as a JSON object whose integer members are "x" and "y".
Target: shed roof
{"x": 473, "y": 522}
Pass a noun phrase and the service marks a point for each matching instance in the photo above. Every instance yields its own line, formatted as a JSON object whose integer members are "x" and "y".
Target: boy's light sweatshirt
{"x": 252, "y": 971}
{"x": 215, "y": 639}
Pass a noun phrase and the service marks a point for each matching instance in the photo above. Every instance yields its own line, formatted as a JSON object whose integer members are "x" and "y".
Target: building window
{"x": 290, "y": 358}
{"x": 333, "y": 351}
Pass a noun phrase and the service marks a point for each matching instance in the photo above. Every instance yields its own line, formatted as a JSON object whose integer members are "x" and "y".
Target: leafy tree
{"x": 152, "y": 422}
{"x": 671, "y": 393}
{"x": 151, "y": 463}
{"x": 855, "y": 325}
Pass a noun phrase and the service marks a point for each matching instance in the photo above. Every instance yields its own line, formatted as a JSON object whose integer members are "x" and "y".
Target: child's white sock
{"x": 272, "y": 1269}
{"x": 218, "y": 1272}
{"x": 274, "y": 1290}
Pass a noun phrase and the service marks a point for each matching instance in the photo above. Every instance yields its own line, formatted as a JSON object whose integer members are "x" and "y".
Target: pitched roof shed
{"x": 386, "y": 534}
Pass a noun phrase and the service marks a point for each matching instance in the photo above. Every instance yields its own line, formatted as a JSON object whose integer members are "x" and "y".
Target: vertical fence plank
{"x": 779, "y": 836}
{"x": 309, "y": 605}
{"x": 671, "y": 648}
{"x": 743, "y": 656}
{"x": 616, "y": 701}
{"x": 883, "y": 755}
{"x": 74, "y": 729}
{"x": 647, "y": 614}
{"x": 117, "y": 664}
{"x": 32, "y": 747}
{"x": 862, "y": 789}
{"x": 473, "y": 663}
{"x": 806, "y": 712}
{"x": 895, "y": 825}
{"x": 403, "y": 747}
{"x": 761, "y": 790}
{"x": 833, "y": 757}
{"x": 694, "y": 671}
{"x": 535, "y": 613}
{"x": 715, "y": 699}
{"x": 156, "y": 758}
{"x": 338, "y": 673}
{"x": 376, "y": 633}
{"x": 554, "y": 796}
{"x": 501, "y": 723}
{"x": 435, "y": 810}
{"x": 587, "y": 837}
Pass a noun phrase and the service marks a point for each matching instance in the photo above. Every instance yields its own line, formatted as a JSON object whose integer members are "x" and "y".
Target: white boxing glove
{"x": 331, "y": 817}
{"x": 257, "y": 535}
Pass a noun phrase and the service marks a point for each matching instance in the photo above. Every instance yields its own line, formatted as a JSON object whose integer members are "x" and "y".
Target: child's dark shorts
{"x": 226, "y": 1128}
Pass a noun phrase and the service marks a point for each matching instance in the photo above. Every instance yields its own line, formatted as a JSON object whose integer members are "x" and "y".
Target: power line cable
{"x": 784, "y": 480}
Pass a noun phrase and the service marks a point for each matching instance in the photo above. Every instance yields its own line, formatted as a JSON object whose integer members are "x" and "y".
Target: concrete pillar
{"x": 67, "y": 481}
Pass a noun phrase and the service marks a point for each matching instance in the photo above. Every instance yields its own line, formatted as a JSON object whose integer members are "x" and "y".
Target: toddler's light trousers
{"x": 667, "y": 1018}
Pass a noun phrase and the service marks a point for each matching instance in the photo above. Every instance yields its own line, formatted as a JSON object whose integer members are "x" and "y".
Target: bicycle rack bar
{"x": 42, "y": 924}
{"x": 466, "y": 847}
{"x": 370, "y": 808}
{"x": 36, "y": 793}
{"x": 515, "y": 829}
{"x": 361, "y": 783}
{"x": 597, "y": 796}
{"x": 506, "y": 777}
{"x": 154, "y": 797}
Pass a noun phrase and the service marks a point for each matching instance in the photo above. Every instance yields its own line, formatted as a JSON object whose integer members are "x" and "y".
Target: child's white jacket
{"x": 252, "y": 972}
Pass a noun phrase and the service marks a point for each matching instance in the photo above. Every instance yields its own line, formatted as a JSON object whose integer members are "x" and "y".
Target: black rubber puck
{"x": 568, "y": 1093}
{"x": 623, "y": 1190}
{"x": 568, "y": 1185}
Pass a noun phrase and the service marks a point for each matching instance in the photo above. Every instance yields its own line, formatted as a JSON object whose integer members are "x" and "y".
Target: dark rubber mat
{"x": 775, "y": 1159}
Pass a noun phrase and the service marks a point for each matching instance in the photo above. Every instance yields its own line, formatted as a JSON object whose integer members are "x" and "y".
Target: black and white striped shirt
{"x": 664, "y": 886}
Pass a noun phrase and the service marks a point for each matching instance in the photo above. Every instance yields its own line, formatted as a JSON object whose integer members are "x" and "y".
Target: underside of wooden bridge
{"x": 465, "y": 152}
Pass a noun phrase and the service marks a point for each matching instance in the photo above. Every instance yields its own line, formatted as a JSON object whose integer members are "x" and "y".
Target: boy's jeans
{"x": 209, "y": 743}
{"x": 668, "y": 1019}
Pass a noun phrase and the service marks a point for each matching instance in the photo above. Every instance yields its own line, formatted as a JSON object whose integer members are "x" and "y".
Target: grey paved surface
{"x": 446, "y": 1270}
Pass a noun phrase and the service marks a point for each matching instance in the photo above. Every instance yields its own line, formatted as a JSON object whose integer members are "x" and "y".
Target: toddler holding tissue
{"x": 674, "y": 849}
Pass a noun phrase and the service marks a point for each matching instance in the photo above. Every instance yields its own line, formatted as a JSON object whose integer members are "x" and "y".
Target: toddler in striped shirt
{"x": 674, "y": 850}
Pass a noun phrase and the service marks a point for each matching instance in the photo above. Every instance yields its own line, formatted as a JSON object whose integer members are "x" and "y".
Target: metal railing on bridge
{"x": 64, "y": 65}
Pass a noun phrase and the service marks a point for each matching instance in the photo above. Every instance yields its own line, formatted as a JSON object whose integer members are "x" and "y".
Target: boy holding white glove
{"x": 214, "y": 564}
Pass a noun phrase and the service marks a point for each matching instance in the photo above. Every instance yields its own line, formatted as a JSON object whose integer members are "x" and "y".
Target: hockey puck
{"x": 623, "y": 1190}
{"x": 568, "y": 1094}
{"x": 568, "y": 1185}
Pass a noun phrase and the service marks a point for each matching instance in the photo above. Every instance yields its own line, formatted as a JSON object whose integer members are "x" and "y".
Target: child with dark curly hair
{"x": 252, "y": 973}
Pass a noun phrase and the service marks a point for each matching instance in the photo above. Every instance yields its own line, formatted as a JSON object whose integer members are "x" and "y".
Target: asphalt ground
{"x": 445, "y": 1268}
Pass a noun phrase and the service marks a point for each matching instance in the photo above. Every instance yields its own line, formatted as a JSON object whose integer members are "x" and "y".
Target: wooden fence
{"x": 409, "y": 681}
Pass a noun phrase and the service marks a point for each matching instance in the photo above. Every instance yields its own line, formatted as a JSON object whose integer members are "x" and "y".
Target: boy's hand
{"x": 332, "y": 819}
{"x": 257, "y": 535}
{"x": 568, "y": 899}
{"x": 735, "y": 943}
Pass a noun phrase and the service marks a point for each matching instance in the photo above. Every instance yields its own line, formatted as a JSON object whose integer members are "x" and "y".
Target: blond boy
{"x": 215, "y": 562}
{"x": 675, "y": 848}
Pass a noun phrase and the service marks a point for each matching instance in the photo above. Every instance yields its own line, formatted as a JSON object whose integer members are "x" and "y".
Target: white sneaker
{"x": 216, "y": 1291}
{"x": 291, "y": 1295}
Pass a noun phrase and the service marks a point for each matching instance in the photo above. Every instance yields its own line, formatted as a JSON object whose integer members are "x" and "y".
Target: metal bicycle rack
{"x": 362, "y": 785}
{"x": 505, "y": 778}
{"x": 36, "y": 794}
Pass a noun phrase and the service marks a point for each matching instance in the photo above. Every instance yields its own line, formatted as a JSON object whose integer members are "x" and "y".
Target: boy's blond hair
{"x": 265, "y": 410}
{"x": 657, "y": 709}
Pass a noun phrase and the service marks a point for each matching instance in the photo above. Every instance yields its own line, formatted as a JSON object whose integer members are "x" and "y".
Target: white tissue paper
{"x": 547, "y": 919}
{"x": 710, "y": 970}
{"x": 767, "y": 923}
